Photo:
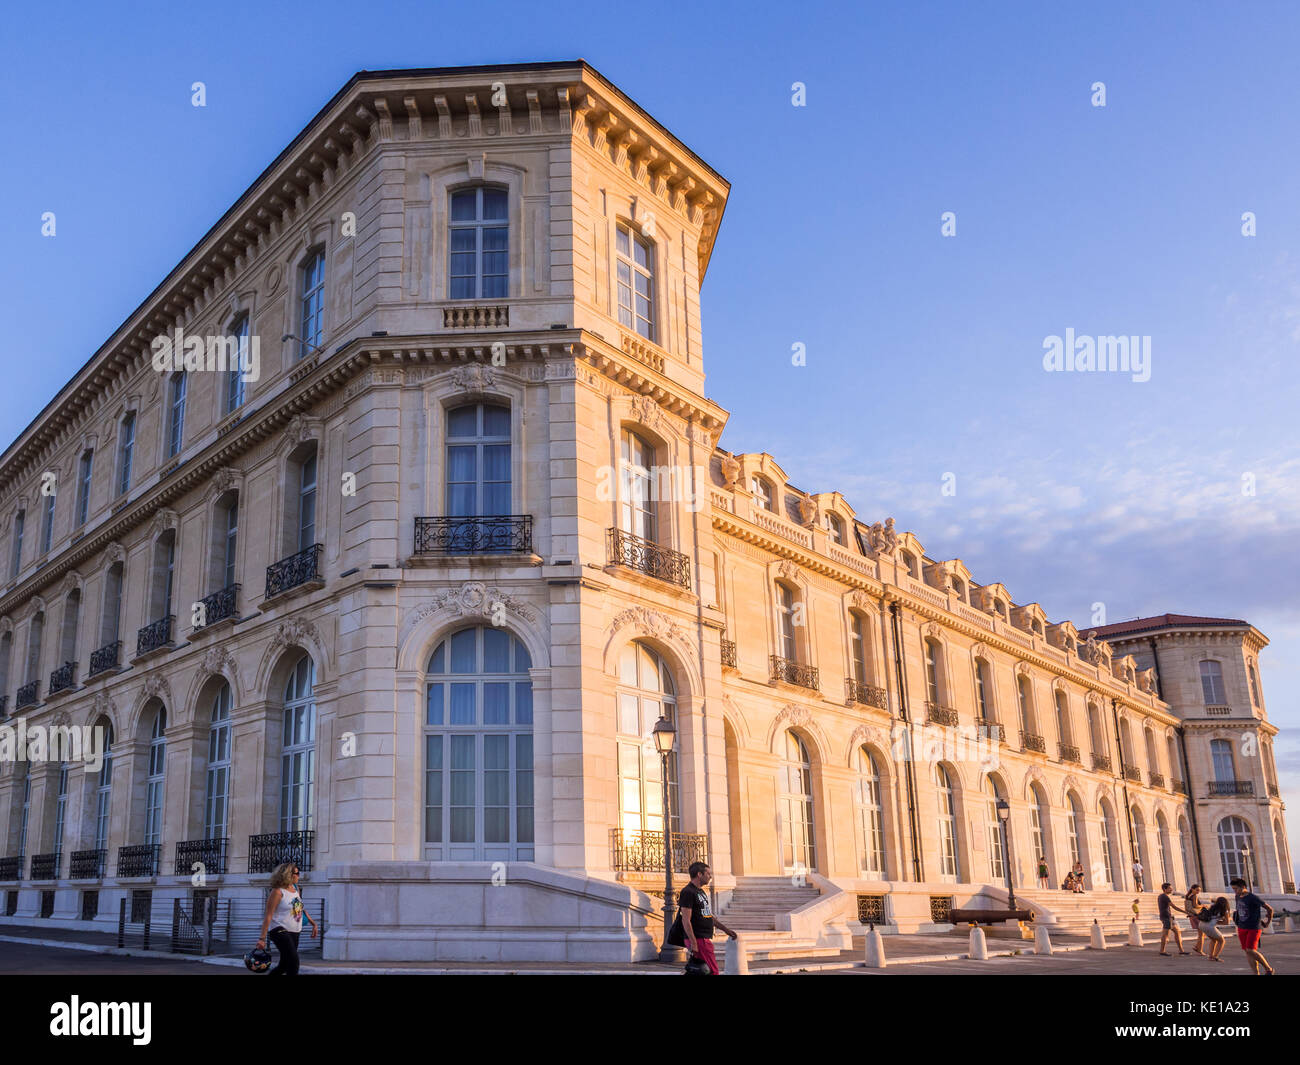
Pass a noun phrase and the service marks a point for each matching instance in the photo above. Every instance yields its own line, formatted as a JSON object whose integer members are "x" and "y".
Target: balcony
{"x": 866, "y": 694}
{"x": 1101, "y": 762}
{"x": 220, "y": 606}
{"x": 1231, "y": 787}
{"x": 729, "y": 654}
{"x": 28, "y": 695}
{"x": 11, "y": 868}
{"x": 941, "y": 715}
{"x": 1132, "y": 772}
{"x": 154, "y": 636}
{"x": 140, "y": 859}
{"x": 1218, "y": 711}
{"x": 1274, "y": 792}
{"x": 475, "y": 317}
{"x": 88, "y": 865}
{"x": 107, "y": 657}
{"x": 46, "y": 866}
{"x": 208, "y": 853}
{"x": 649, "y": 558}
{"x": 792, "y": 672}
{"x": 643, "y": 852}
{"x": 63, "y": 678}
{"x": 993, "y": 730}
{"x": 268, "y": 850}
{"x": 502, "y": 534}
{"x": 1156, "y": 780}
{"x": 294, "y": 571}
{"x": 1178, "y": 787}
{"x": 1031, "y": 741}
{"x": 1067, "y": 752}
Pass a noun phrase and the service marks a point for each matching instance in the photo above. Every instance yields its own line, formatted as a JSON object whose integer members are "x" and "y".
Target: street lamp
{"x": 664, "y": 737}
{"x": 305, "y": 344}
{"x": 1245, "y": 864}
{"x": 1004, "y": 815}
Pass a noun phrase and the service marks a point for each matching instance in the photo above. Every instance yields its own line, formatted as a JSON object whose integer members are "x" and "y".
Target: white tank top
{"x": 288, "y": 911}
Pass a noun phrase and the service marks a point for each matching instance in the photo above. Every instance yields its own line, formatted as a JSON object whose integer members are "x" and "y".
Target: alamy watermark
{"x": 20, "y": 742}
{"x": 218, "y": 353}
{"x": 1089, "y": 354}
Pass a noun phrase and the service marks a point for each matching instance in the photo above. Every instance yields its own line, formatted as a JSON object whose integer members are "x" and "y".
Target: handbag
{"x": 697, "y": 966}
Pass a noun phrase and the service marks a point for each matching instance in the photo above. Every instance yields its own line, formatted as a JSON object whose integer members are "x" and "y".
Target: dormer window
{"x": 959, "y": 586}
{"x": 762, "y": 493}
{"x": 835, "y": 528}
{"x": 909, "y": 563}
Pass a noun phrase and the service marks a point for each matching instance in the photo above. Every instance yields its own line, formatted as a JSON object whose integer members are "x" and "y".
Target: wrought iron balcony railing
{"x": 794, "y": 672}
{"x": 220, "y": 606}
{"x": 941, "y": 715}
{"x": 1101, "y": 761}
{"x": 1157, "y": 780}
{"x": 268, "y": 850}
{"x": 648, "y": 557}
{"x": 28, "y": 694}
{"x": 1069, "y": 753}
{"x": 154, "y": 635}
{"x": 106, "y": 658}
{"x": 1178, "y": 787}
{"x": 139, "y": 859}
{"x": 643, "y": 852}
{"x": 301, "y": 568}
{"x": 11, "y": 868}
{"x": 1274, "y": 791}
{"x": 866, "y": 694}
{"x": 729, "y": 653}
{"x": 1133, "y": 773}
{"x": 992, "y": 729}
{"x": 46, "y": 866}
{"x": 1031, "y": 741}
{"x": 211, "y": 854}
{"x": 87, "y": 865}
{"x": 1232, "y": 787}
{"x": 501, "y": 534}
{"x": 63, "y": 678}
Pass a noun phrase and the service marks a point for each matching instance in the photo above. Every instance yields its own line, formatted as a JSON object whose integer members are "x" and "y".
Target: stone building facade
{"x": 403, "y": 598}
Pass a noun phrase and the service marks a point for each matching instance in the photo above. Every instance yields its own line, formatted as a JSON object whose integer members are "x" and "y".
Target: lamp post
{"x": 664, "y": 736}
{"x": 1004, "y": 815}
{"x": 1245, "y": 864}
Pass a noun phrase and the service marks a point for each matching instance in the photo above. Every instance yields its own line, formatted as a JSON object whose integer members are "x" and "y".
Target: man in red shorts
{"x": 693, "y": 928}
{"x": 1250, "y": 923}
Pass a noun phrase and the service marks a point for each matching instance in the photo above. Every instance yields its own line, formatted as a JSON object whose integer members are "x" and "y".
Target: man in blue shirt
{"x": 1250, "y": 923}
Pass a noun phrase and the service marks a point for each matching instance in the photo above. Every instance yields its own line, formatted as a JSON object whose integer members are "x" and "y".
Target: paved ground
{"x": 50, "y": 961}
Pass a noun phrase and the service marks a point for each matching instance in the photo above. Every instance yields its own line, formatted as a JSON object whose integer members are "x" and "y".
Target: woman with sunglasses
{"x": 284, "y": 914}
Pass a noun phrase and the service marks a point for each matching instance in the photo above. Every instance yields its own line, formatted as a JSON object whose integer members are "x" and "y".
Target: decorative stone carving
{"x": 71, "y": 582}
{"x": 868, "y": 734}
{"x": 474, "y": 599}
{"x": 273, "y": 277}
{"x": 730, "y": 470}
{"x": 794, "y": 714}
{"x": 1094, "y": 651}
{"x": 35, "y": 605}
{"x": 860, "y": 600}
{"x": 225, "y": 479}
{"x": 1146, "y": 681}
{"x": 216, "y": 662}
{"x": 300, "y": 429}
{"x": 807, "y": 510}
{"x": 163, "y": 519}
{"x": 647, "y": 412}
{"x": 649, "y": 622}
{"x": 156, "y": 687}
{"x": 788, "y": 570}
{"x": 104, "y": 706}
{"x": 295, "y": 633}
{"x": 934, "y": 630}
{"x": 114, "y": 552}
{"x": 882, "y": 539}
{"x": 473, "y": 378}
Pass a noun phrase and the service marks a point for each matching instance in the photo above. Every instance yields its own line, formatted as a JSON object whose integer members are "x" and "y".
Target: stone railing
{"x": 1231, "y": 787}
{"x": 641, "y": 350}
{"x": 475, "y": 317}
{"x": 1218, "y": 711}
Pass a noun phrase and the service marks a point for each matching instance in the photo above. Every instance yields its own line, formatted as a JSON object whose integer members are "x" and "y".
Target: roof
{"x": 1161, "y": 621}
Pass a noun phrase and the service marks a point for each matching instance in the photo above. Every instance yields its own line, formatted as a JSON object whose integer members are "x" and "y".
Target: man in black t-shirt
{"x": 693, "y": 928}
{"x": 1165, "y": 903}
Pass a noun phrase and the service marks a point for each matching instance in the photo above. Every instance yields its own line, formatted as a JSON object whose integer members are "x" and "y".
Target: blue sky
{"x": 924, "y": 353}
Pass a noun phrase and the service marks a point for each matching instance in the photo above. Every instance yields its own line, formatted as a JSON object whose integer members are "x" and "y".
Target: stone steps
{"x": 753, "y": 909}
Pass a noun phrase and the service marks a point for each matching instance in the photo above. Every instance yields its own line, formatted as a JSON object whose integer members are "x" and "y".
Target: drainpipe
{"x": 1191, "y": 806}
{"x": 704, "y": 695}
{"x": 912, "y": 823}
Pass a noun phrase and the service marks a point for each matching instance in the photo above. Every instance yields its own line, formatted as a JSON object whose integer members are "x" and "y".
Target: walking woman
{"x": 1208, "y": 919}
{"x": 1192, "y": 907}
{"x": 284, "y": 914}
{"x": 1042, "y": 874}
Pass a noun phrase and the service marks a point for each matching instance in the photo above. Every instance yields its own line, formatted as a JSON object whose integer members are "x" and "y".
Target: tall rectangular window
{"x": 230, "y": 543}
{"x": 307, "y": 505}
{"x": 169, "y": 575}
{"x": 785, "y": 611}
{"x": 126, "y": 451}
{"x": 635, "y": 265}
{"x": 20, "y": 519}
{"x": 176, "y": 425}
{"x": 234, "y": 375}
{"x": 312, "y": 317}
{"x": 1212, "y": 683}
{"x": 479, "y": 241}
{"x": 47, "y": 526}
{"x": 83, "y": 487}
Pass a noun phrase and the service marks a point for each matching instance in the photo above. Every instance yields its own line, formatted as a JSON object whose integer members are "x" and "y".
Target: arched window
{"x": 234, "y": 397}
{"x": 1162, "y": 844}
{"x": 1063, "y": 719}
{"x": 104, "y": 789}
{"x": 1153, "y": 758}
{"x": 949, "y": 863}
{"x": 1110, "y": 860}
{"x": 83, "y": 486}
{"x": 1095, "y": 733}
{"x": 298, "y": 750}
{"x": 798, "y": 826}
{"x": 933, "y": 689}
{"x": 1040, "y": 822}
{"x": 307, "y": 501}
{"x": 997, "y": 860}
{"x": 983, "y": 687}
{"x": 1234, "y": 839}
{"x": 1254, "y": 684}
{"x": 60, "y": 810}
{"x": 645, "y": 693}
{"x": 636, "y": 277}
{"x": 216, "y": 790}
{"x": 870, "y": 816}
{"x": 762, "y": 493}
{"x": 1221, "y": 756}
{"x": 27, "y": 809}
{"x": 1189, "y": 874}
{"x": 154, "y": 779}
{"x": 959, "y": 586}
{"x": 1140, "y": 832}
{"x": 478, "y": 477}
{"x": 47, "y": 524}
{"x": 478, "y": 749}
{"x": 163, "y": 579}
{"x": 311, "y": 306}
{"x": 787, "y": 642}
{"x": 1077, "y": 829}
{"x": 125, "y": 452}
{"x": 1026, "y": 705}
{"x": 1212, "y": 683}
{"x": 479, "y": 244}
{"x": 637, "y": 496}
{"x": 176, "y": 413}
{"x": 110, "y": 622}
{"x": 858, "y": 647}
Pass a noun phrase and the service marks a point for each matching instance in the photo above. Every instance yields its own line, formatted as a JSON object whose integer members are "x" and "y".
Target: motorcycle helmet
{"x": 258, "y": 960}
